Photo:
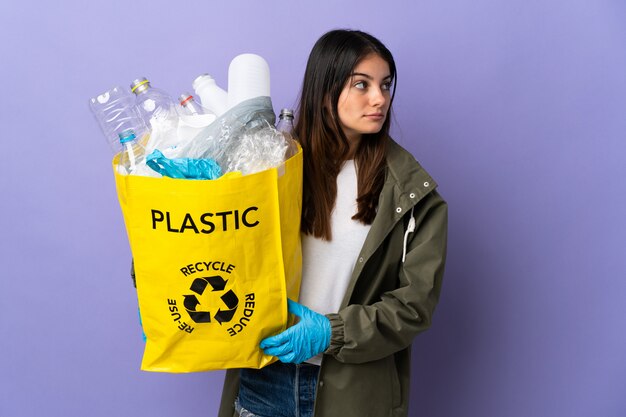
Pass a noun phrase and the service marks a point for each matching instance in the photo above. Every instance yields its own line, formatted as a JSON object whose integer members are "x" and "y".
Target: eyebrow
{"x": 369, "y": 77}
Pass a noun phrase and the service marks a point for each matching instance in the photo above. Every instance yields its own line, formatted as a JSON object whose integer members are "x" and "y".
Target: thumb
{"x": 295, "y": 308}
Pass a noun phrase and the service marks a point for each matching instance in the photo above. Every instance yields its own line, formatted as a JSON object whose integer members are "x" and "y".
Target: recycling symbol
{"x": 194, "y": 308}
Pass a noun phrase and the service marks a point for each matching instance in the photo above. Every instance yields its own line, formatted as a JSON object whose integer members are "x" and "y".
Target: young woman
{"x": 374, "y": 243}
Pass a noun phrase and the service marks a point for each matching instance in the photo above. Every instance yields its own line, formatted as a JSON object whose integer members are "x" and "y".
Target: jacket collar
{"x": 406, "y": 183}
{"x": 406, "y": 173}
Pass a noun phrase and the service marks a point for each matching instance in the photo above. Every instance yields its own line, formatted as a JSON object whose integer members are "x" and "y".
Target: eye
{"x": 387, "y": 85}
{"x": 361, "y": 85}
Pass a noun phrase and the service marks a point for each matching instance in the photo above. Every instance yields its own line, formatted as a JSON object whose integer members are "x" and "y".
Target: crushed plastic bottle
{"x": 116, "y": 112}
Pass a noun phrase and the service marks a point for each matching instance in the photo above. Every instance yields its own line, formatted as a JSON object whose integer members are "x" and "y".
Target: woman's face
{"x": 365, "y": 99}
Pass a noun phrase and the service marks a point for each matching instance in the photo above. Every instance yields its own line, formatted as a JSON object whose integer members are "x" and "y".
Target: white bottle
{"x": 248, "y": 77}
{"x": 211, "y": 95}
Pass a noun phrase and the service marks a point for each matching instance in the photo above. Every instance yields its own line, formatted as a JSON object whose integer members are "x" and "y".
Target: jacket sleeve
{"x": 362, "y": 333}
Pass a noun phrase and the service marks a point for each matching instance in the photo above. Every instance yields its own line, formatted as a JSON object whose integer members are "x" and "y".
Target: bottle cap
{"x": 286, "y": 113}
{"x": 127, "y": 135}
{"x": 139, "y": 85}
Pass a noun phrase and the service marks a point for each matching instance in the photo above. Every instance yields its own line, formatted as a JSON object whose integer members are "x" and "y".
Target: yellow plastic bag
{"x": 214, "y": 264}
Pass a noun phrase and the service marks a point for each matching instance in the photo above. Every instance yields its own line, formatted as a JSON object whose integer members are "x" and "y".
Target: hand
{"x": 309, "y": 337}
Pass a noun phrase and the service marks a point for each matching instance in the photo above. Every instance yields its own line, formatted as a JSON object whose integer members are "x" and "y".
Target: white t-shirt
{"x": 327, "y": 265}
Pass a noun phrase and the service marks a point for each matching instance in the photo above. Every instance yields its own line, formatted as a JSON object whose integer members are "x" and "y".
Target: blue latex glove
{"x": 143, "y": 335}
{"x": 200, "y": 169}
{"x": 308, "y": 338}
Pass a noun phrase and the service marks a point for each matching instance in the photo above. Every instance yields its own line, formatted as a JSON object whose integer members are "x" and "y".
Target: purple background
{"x": 517, "y": 108}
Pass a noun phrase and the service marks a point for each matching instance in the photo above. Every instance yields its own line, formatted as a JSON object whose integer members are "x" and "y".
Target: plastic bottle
{"x": 193, "y": 118}
{"x": 115, "y": 112}
{"x": 189, "y": 105}
{"x": 151, "y": 102}
{"x": 133, "y": 152}
{"x": 211, "y": 95}
{"x": 285, "y": 121}
{"x": 248, "y": 77}
{"x": 285, "y": 125}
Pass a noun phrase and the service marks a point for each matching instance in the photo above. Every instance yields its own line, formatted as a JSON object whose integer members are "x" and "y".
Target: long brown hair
{"x": 331, "y": 62}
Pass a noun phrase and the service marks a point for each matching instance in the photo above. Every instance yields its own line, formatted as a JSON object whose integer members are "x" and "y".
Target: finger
{"x": 287, "y": 358}
{"x": 277, "y": 340}
{"x": 278, "y": 350}
{"x": 295, "y": 308}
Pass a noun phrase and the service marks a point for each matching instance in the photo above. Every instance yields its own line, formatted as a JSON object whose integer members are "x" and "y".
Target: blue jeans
{"x": 278, "y": 390}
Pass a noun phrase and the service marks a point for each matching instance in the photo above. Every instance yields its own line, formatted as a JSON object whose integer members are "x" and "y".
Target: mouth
{"x": 375, "y": 116}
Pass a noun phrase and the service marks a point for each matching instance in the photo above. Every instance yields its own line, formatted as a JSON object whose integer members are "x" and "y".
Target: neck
{"x": 353, "y": 142}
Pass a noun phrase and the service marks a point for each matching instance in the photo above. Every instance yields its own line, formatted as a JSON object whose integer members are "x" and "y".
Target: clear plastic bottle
{"x": 193, "y": 118}
{"x": 285, "y": 121}
{"x": 115, "y": 111}
{"x": 151, "y": 102}
{"x": 190, "y": 105}
{"x": 285, "y": 125}
{"x": 133, "y": 153}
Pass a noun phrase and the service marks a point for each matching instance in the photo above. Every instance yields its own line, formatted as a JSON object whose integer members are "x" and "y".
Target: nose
{"x": 377, "y": 97}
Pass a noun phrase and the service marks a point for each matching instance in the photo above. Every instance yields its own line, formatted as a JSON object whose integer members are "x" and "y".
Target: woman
{"x": 374, "y": 243}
